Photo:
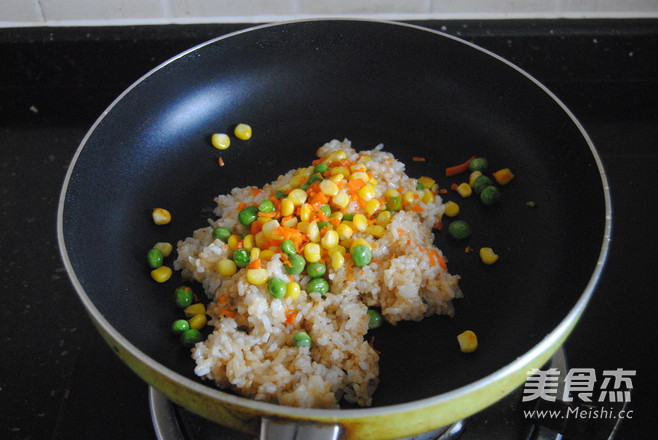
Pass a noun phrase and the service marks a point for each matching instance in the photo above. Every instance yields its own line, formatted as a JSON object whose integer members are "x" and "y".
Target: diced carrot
{"x": 227, "y": 312}
{"x": 355, "y": 184}
{"x": 220, "y": 161}
{"x": 438, "y": 225}
{"x": 417, "y": 208}
{"x": 287, "y": 232}
{"x": 256, "y": 227}
{"x": 291, "y": 315}
{"x": 256, "y": 191}
{"x": 256, "y": 264}
{"x": 418, "y": 159}
{"x": 457, "y": 169}
{"x": 222, "y": 299}
{"x": 318, "y": 198}
{"x": 454, "y": 187}
{"x": 442, "y": 191}
{"x": 241, "y": 206}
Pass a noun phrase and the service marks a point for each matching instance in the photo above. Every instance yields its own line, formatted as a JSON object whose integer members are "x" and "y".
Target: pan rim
{"x": 551, "y": 340}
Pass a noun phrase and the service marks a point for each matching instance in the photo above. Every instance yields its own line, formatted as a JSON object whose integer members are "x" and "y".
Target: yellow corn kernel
{"x": 330, "y": 239}
{"x": 312, "y": 252}
{"x": 340, "y": 170}
{"x": 428, "y": 197}
{"x": 360, "y": 222}
{"x": 164, "y": 247}
{"x": 452, "y": 209}
{"x": 197, "y": 322}
{"x": 504, "y": 176}
{"x": 257, "y": 277}
{"x": 221, "y": 141}
{"x": 341, "y": 199}
{"x": 290, "y": 222}
{"x": 344, "y": 231}
{"x": 337, "y": 248}
{"x": 233, "y": 241}
{"x": 297, "y": 196}
{"x": 269, "y": 229}
{"x": 194, "y": 309}
{"x": 468, "y": 341}
{"x": 260, "y": 239}
{"x": 254, "y": 254}
{"x": 408, "y": 197}
{"x": 427, "y": 182}
{"x": 360, "y": 175}
{"x": 359, "y": 241}
{"x": 367, "y": 192}
{"x": 161, "y": 274}
{"x": 337, "y": 214}
{"x": 372, "y": 206}
{"x": 464, "y": 190}
{"x": 373, "y": 181}
{"x": 336, "y": 177}
{"x": 303, "y": 227}
{"x": 364, "y": 158}
{"x": 305, "y": 212}
{"x": 242, "y": 131}
{"x": 293, "y": 290}
{"x": 297, "y": 180}
{"x": 375, "y": 230}
{"x": 473, "y": 177}
{"x": 383, "y": 218}
{"x": 346, "y": 243}
{"x": 357, "y": 167}
{"x": 329, "y": 188}
{"x": 392, "y": 193}
{"x": 337, "y": 260}
{"x": 287, "y": 207}
{"x": 488, "y": 256}
{"x": 336, "y": 155}
{"x": 313, "y": 232}
{"x": 161, "y": 216}
{"x": 226, "y": 267}
{"x": 266, "y": 254}
{"x": 248, "y": 242}
{"x": 263, "y": 219}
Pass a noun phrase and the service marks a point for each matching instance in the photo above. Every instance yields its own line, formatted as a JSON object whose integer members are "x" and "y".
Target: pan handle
{"x": 277, "y": 429}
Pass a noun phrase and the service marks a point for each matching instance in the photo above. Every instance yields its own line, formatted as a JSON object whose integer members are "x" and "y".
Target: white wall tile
{"x": 498, "y": 7}
{"x": 231, "y": 8}
{"x": 620, "y": 6}
{"x": 20, "y": 11}
{"x": 80, "y": 10}
{"x": 363, "y": 7}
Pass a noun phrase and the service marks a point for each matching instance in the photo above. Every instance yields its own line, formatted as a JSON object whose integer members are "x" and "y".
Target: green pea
{"x": 322, "y": 225}
{"x": 279, "y": 194}
{"x": 315, "y": 178}
{"x": 478, "y": 164}
{"x": 190, "y": 337}
{"x": 288, "y": 247}
{"x": 315, "y": 270}
{"x": 266, "y": 206}
{"x": 221, "y": 233}
{"x": 459, "y": 229}
{"x": 241, "y": 257}
{"x": 183, "y": 296}
{"x": 361, "y": 255}
{"x": 154, "y": 258}
{"x": 490, "y": 195}
{"x": 301, "y": 339}
{"x": 276, "y": 287}
{"x": 297, "y": 264}
{"x": 326, "y": 210}
{"x": 393, "y": 203}
{"x": 305, "y": 186}
{"x": 420, "y": 186}
{"x": 321, "y": 168}
{"x": 348, "y": 217}
{"x": 179, "y": 326}
{"x": 248, "y": 215}
{"x": 319, "y": 285}
{"x": 375, "y": 319}
{"x": 481, "y": 183}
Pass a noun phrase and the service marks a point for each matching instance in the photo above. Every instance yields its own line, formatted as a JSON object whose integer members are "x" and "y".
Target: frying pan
{"x": 300, "y": 84}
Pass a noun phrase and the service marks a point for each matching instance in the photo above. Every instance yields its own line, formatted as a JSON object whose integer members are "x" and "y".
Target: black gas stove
{"x": 58, "y": 379}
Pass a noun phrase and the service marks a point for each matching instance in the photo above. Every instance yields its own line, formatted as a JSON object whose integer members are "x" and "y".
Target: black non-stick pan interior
{"x": 300, "y": 85}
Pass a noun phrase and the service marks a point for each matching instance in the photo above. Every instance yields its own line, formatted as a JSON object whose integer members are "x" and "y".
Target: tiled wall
{"x": 118, "y": 12}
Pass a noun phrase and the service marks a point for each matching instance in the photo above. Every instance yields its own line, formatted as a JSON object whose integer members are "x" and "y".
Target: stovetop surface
{"x": 58, "y": 379}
